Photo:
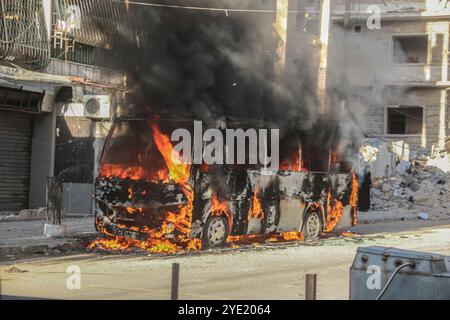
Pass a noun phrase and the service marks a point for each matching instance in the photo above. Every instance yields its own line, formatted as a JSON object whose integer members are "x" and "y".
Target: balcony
{"x": 24, "y": 37}
{"x": 413, "y": 74}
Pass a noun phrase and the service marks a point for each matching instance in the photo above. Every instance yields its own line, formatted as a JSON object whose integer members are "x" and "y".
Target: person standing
{"x": 364, "y": 191}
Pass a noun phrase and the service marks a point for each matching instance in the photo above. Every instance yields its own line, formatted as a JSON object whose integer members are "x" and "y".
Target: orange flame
{"x": 132, "y": 210}
{"x": 234, "y": 241}
{"x": 335, "y": 157}
{"x": 218, "y": 207}
{"x": 292, "y": 164}
{"x": 334, "y": 213}
{"x": 157, "y": 242}
{"x": 177, "y": 225}
{"x": 335, "y": 208}
{"x": 130, "y": 193}
{"x": 290, "y": 236}
{"x": 256, "y": 211}
{"x": 178, "y": 170}
{"x": 122, "y": 172}
{"x": 117, "y": 243}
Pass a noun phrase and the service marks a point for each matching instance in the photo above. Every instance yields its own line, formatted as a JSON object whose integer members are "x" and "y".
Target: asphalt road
{"x": 263, "y": 272}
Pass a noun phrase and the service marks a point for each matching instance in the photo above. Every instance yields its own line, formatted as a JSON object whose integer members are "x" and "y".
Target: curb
{"x": 62, "y": 244}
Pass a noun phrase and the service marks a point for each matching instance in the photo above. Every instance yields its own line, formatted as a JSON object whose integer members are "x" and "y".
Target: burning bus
{"x": 145, "y": 197}
{"x": 208, "y": 65}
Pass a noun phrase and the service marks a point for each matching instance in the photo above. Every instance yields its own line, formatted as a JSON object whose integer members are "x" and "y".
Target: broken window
{"x": 405, "y": 120}
{"x": 410, "y": 49}
{"x": 290, "y": 153}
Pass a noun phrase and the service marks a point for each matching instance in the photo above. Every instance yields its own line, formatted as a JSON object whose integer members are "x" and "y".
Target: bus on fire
{"x": 143, "y": 194}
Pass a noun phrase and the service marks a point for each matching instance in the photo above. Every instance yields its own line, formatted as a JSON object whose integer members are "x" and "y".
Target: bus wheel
{"x": 312, "y": 225}
{"x": 215, "y": 232}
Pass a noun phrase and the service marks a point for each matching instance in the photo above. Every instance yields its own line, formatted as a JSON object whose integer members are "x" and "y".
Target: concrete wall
{"x": 85, "y": 72}
{"x": 374, "y": 113}
{"x": 374, "y": 50}
{"x": 377, "y": 81}
{"x": 80, "y": 134}
{"x": 371, "y": 52}
{"x": 77, "y": 197}
{"x": 42, "y": 157}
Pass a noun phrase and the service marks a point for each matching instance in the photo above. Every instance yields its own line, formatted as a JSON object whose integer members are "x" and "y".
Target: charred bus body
{"x": 140, "y": 193}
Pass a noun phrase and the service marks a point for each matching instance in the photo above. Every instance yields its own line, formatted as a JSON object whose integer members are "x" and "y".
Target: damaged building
{"x": 58, "y": 96}
{"x": 396, "y": 57}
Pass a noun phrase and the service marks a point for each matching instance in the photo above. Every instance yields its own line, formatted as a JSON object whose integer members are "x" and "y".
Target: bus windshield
{"x": 130, "y": 152}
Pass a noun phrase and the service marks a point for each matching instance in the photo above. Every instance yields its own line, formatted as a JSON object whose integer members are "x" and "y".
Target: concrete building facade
{"x": 387, "y": 61}
{"x": 396, "y": 56}
{"x": 50, "y": 69}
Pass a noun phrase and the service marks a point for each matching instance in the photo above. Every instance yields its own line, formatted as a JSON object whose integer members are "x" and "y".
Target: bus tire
{"x": 312, "y": 225}
{"x": 215, "y": 232}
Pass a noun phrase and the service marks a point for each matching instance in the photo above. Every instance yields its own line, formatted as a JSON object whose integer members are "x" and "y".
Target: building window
{"x": 404, "y": 120}
{"x": 410, "y": 49}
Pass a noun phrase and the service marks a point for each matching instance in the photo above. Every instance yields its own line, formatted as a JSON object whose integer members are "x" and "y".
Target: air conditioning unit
{"x": 97, "y": 106}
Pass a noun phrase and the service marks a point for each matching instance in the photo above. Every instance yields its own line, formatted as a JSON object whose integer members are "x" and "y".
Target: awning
{"x": 31, "y": 81}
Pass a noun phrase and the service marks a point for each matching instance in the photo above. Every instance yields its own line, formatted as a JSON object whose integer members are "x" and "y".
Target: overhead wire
{"x": 170, "y": 6}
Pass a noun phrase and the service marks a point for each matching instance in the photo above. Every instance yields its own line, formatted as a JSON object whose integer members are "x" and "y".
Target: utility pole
{"x": 48, "y": 12}
{"x": 347, "y": 30}
{"x": 325, "y": 7}
{"x": 280, "y": 25}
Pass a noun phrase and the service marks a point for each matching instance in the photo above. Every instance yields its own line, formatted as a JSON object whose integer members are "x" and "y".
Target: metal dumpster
{"x": 418, "y": 275}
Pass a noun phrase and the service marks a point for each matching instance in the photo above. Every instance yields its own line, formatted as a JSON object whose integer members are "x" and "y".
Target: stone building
{"x": 395, "y": 55}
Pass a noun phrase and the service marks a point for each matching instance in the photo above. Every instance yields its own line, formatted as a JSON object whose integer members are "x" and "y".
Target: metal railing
{"x": 83, "y": 30}
{"x": 92, "y": 22}
{"x": 24, "y": 37}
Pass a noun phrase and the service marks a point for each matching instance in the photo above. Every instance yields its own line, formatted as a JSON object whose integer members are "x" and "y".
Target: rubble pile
{"x": 415, "y": 187}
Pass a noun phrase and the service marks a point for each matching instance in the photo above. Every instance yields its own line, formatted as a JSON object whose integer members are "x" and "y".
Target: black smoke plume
{"x": 213, "y": 64}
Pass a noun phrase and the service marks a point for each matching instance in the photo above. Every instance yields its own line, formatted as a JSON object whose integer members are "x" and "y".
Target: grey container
{"x": 428, "y": 278}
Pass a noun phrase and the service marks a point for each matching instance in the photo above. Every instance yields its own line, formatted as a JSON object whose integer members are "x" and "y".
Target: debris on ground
{"x": 26, "y": 214}
{"x": 15, "y": 270}
{"x": 419, "y": 187}
{"x": 423, "y": 215}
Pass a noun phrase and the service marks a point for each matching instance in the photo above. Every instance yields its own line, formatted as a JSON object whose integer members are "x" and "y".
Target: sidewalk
{"x": 26, "y": 237}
